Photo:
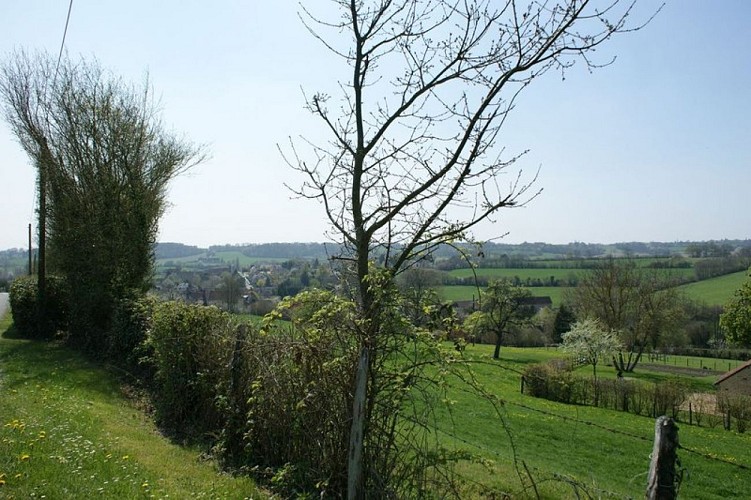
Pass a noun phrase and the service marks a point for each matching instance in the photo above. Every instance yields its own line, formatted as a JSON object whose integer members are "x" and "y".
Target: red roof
{"x": 729, "y": 374}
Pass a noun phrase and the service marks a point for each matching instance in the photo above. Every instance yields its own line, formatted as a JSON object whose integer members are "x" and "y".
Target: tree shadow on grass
{"x": 26, "y": 361}
{"x": 10, "y": 332}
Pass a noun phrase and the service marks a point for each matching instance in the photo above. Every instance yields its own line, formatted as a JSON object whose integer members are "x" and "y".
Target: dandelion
{"x": 125, "y": 457}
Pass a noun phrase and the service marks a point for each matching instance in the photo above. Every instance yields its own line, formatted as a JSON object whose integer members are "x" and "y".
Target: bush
{"x": 126, "y": 342}
{"x": 24, "y": 296}
{"x": 553, "y": 381}
{"x": 735, "y": 406}
{"x": 190, "y": 349}
{"x": 297, "y": 382}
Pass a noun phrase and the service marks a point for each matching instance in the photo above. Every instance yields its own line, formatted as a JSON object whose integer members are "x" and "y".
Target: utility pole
{"x": 42, "y": 265}
{"x": 31, "y": 268}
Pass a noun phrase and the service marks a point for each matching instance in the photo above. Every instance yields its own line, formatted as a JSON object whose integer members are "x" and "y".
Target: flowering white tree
{"x": 589, "y": 340}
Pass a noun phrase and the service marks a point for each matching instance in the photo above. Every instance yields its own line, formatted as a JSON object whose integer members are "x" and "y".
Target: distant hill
{"x": 536, "y": 250}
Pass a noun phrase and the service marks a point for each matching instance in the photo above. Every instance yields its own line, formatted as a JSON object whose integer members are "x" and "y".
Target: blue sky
{"x": 654, "y": 147}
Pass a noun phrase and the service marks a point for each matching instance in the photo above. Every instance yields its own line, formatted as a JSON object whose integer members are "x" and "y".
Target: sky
{"x": 654, "y": 147}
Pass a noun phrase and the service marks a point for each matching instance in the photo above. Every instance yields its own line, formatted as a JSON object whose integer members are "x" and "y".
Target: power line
{"x": 65, "y": 33}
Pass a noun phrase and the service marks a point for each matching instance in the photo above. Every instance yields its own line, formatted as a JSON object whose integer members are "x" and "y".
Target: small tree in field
{"x": 590, "y": 341}
{"x": 504, "y": 305}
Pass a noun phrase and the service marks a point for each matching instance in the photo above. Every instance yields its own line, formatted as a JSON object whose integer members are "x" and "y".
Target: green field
{"x": 465, "y": 292}
{"x": 67, "y": 432}
{"x": 715, "y": 291}
{"x": 228, "y": 257}
{"x": 605, "y": 452}
{"x": 558, "y": 273}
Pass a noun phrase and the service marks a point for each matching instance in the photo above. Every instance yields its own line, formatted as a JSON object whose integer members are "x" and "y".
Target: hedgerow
{"x": 28, "y": 317}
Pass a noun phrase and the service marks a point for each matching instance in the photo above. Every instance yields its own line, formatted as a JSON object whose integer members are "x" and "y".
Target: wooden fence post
{"x": 662, "y": 477}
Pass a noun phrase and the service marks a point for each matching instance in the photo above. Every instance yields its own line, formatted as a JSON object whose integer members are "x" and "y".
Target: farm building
{"x": 737, "y": 381}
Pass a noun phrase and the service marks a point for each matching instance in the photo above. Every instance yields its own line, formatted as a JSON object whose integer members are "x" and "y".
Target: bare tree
{"x": 641, "y": 304}
{"x": 415, "y": 157}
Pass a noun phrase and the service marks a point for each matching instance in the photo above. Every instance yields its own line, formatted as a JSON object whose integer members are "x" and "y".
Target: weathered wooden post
{"x": 662, "y": 476}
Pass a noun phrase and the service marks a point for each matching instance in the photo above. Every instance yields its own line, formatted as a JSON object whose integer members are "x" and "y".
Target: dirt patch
{"x": 680, "y": 370}
{"x": 701, "y": 402}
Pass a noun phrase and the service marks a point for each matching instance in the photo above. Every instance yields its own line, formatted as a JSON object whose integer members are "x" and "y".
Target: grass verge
{"x": 66, "y": 431}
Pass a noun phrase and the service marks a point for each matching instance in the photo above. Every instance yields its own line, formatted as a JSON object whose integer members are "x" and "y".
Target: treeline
{"x": 176, "y": 250}
{"x": 488, "y": 254}
{"x": 713, "y": 267}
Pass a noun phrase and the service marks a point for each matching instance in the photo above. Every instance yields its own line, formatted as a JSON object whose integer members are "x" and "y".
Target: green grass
{"x": 465, "y": 292}
{"x": 523, "y": 274}
{"x": 716, "y": 291}
{"x": 605, "y": 451}
{"x": 228, "y": 257}
{"x": 66, "y": 431}
{"x": 558, "y": 273}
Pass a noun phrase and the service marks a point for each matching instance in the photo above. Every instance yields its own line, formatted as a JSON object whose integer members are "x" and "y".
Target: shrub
{"x": 126, "y": 342}
{"x": 735, "y": 406}
{"x": 554, "y": 381}
{"x": 298, "y": 401}
{"x": 24, "y": 303}
{"x": 191, "y": 347}
{"x": 669, "y": 395}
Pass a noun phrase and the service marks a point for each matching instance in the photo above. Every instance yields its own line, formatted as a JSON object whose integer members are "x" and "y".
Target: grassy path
{"x": 67, "y": 432}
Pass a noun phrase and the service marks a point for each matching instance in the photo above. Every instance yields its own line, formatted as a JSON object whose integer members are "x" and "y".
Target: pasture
{"x": 466, "y": 292}
{"x": 217, "y": 258}
{"x": 562, "y": 450}
{"x": 716, "y": 291}
{"x": 547, "y": 275}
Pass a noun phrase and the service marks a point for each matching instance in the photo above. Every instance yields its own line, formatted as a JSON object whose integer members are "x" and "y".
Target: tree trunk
{"x": 498, "y": 339}
{"x": 355, "y": 488}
